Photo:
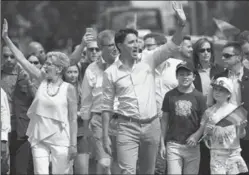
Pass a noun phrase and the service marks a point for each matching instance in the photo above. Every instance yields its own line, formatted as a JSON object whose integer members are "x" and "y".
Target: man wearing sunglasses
{"x": 92, "y": 51}
{"x": 232, "y": 55}
{"x": 16, "y": 83}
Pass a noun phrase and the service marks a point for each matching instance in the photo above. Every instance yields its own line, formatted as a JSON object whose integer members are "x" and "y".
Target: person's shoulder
{"x": 113, "y": 67}
{"x": 198, "y": 94}
{"x": 172, "y": 92}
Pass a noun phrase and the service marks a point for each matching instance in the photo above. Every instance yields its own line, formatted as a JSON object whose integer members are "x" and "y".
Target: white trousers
{"x": 44, "y": 152}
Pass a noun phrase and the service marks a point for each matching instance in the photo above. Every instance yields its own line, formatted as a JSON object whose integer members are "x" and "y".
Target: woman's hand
{"x": 72, "y": 152}
{"x": 5, "y": 29}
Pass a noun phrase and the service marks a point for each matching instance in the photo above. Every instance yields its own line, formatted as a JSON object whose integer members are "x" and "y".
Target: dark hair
{"x": 196, "y": 48}
{"x": 78, "y": 84}
{"x": 235, "y": 45}
{"x": 121, "y": 35}
{"x": 244, "y": 37}
{"x": 160, "y": 38}
{"x": 187, "y": 37}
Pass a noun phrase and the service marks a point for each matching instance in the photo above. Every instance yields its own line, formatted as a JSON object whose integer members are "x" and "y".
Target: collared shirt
{"x": 165, "y": 80}
{"x": 5, "y": 116}
{"x": 236, "y": 78}
{"x": 92, "y": 90}
{"x": 205, "y": 80}
{"x": 17, "y": 86}
{"x": 135, "y": 89}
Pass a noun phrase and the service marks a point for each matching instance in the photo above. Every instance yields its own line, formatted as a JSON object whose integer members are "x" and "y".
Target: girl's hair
{"x": 196, "y": 49}
{"x": 77, "y": 85}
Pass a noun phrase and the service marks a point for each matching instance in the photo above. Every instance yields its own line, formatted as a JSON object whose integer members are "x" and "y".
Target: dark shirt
{"x": 17, "y": 86}
{"x": 185, "y": 111}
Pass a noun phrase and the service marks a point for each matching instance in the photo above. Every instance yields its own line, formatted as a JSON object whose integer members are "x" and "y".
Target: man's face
{"x": 186, "y": 48}
{"x": 130, "y": 46}
{"x": 109, "y": 50}
{"x": 245, "y": 50}
{"x": 230, "y": 57}
{"x": 93, "y": 53}
{"x": 8, "y": 58}
{"x": 150, "y": 44}
{"x": 185, "y": 77}
{"x": 37, "y": 50}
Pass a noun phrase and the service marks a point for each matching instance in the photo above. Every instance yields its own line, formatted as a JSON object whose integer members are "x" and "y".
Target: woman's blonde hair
{"x": 61, "y": 59}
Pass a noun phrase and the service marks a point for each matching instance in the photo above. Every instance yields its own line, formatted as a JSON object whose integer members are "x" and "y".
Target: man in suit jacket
{"x": 232, "y": 55}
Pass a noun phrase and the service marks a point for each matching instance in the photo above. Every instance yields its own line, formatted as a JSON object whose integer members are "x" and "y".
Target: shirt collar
{"x": 238, "y": 75}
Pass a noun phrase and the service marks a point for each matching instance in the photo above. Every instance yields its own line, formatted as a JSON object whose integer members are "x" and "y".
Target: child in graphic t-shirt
{"x": 183, "y": 108}
{"x": 223, "y": 125}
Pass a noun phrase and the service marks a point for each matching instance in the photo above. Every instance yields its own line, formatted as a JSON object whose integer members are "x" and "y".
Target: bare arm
{"x": 30, "y": 68}
{"x": 72, "y": 114}
{"x": 170, "y": 48}
{"x": 76, "y": 55}
{"x": 164, "y": 127}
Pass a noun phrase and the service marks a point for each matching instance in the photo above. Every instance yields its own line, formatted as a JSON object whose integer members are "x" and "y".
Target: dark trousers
{"x": 205, "y": 160}
{"x": 245, "y": 152}
{"x": 20, "y": 155}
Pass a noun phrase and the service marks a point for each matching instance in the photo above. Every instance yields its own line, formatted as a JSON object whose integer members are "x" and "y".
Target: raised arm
{"x": 76, "y": 55}
{"x": 30, "y": 68}
{"x": 167, "y": 50}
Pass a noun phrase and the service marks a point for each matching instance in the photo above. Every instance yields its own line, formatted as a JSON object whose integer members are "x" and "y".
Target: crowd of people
{"x": 116, "y": 106}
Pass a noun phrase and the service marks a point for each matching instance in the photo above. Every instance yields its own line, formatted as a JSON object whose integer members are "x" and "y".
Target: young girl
{"x": 81, "y": 163}
{"x": 223, "y": 125}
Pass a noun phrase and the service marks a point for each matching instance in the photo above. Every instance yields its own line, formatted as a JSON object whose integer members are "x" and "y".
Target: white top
{"x": 165, "y": 80}
{"x": 49, "y": 117}
{"x": 5, "y": 116}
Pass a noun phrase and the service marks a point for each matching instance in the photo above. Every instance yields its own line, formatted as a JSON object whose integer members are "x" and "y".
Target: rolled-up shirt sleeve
{"x": 161, "y": 54}
{"x": 108, "y": 93}
{"x": 5, "y": 116}
{"x": 86, "y": 99}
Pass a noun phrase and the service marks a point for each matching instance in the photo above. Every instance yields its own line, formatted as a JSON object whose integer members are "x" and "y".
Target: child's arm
{"x": 242, "y": 130}
{"x": 164, "y": 127}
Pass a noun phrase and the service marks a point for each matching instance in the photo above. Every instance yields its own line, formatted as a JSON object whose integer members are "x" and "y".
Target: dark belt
{"x": 137, "y": 120}
{"x": 115, "y": 116}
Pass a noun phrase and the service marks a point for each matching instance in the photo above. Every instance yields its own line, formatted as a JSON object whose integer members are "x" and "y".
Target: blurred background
{"x": 61, "y": 24}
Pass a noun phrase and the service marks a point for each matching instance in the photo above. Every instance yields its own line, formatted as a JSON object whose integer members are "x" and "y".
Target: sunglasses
{"x": 203, "y": 50}
{"x": 34, "y": 62}
{"x": 93, "y": 48}
{"x": 227, "y": 55}
{"x": 7, "y": 56}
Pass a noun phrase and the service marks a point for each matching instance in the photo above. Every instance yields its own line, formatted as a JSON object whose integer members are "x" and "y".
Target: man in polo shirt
{"x": 133, "y": 83}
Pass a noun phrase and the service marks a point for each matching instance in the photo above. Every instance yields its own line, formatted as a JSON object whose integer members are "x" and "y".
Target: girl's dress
{"x": 223, "y": 141}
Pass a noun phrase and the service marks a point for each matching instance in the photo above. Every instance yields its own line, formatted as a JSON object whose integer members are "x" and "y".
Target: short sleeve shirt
{"x": 185, "y": 112}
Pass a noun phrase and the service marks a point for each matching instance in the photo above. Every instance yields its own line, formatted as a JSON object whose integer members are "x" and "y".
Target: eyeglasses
{"x": 7, "y": 56}
{"x": 203, "y": 50}
{"x": 109, "y": 45}
{"x": 34, "y": 62}
{"x": 227, "y": 55}
{"x": 93, "y": 48}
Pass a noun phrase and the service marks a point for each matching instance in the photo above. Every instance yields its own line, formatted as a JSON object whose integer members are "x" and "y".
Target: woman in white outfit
{"x": 52, "y": 129}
